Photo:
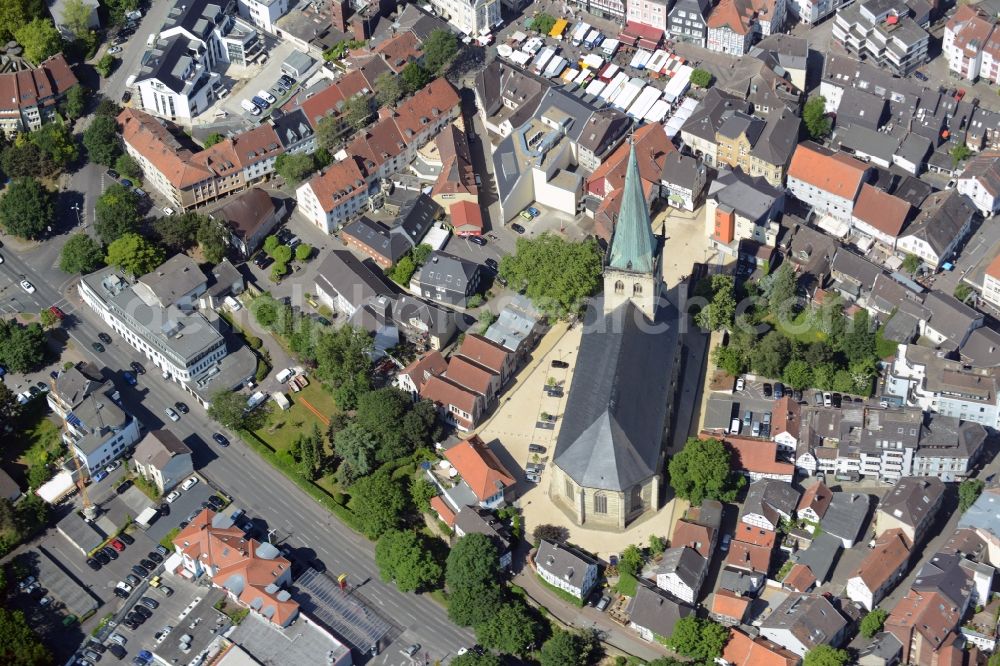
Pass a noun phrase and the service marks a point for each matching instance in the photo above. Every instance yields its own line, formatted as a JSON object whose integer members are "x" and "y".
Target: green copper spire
{"x": 633, "y": 244}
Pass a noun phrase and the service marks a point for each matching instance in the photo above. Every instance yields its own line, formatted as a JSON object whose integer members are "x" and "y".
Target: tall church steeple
{"x": 632, "y": 270}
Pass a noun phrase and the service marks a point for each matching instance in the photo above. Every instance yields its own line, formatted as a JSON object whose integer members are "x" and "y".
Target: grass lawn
{"x": 563, "y": 594}
{"x": 283, "y": 426}
{"x": 884, "y": 348}
{"x": 626, "y": 585}
{"x": 800, "y": 328}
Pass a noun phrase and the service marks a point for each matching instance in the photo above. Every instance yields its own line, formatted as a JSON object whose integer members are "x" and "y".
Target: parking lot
{"x": 260, "y": 77}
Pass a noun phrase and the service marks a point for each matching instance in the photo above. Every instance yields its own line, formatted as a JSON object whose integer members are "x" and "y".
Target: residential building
{"x": 651, "y": 14}
{"x": 762, "y": 81}
{"x": 881, "y": 216}
{"x": 738, "y": 208}
{"x": 294, "y": 132}
{"x": 980, "y": 181}
{"x": 413, "y": 377}
{"x": 470, "y": 17}
{"x": 800, "y": 578}
{"x": 846, "y": 516}
{"x": 387, "y": 245}
{"x": 688, "y": 21}
{"x": 944, "y": 221}
{"x": 681, "y": 572}
{"x": 517, "y": 328}
{"x": 889, "y": 32}
{"x": 924, "y": 624}
{"x": 949, "y": 449}
{"x": 731, "y": 27}
{"x": 456, "y": 405}
{"x": 95, "y": 427}
{"x": 971, "y": 43}
{"x": 180, "y": 74}
{"x": 264, "y": 14}
{"x": 163, "y": 459}
{"x": 911, "y": 507}
{"x": 699, "y": 529}
{"x": 854, "y": 277}
{"x": 30, "y": 97}
{"x": 654, "y": 615}
{"x": 881, "y": 569}
{"x": 345, "y": 284}
{"x": 609, "y": 452}
{"x": 683, "y": 180}
{"x": 980, "y": 349}
{"x": 741, "y": 581}
{"x": 566, "y": 569}
{"x": 155, "y": 314}
{"x": 785, "y": 421}
{"x": 826, "y": 180}
{"x": 991, "y": 282}
{"x": 814, "y": 503}
{"x": 758, "y": 147}
{"x": 487, "y": 354}
{"x": 949, "y": 322}
{"x": 803, "y": 621}
{"x": 331, "y": 198}
{"x": 699, "y": 131}
{"x": 749, "y": 557}
{"x": 742, "y": 650}
{"x": 250, "y": 218}
{"x": 768, "y": 503}
{"x": 983, "y": 519}
{"x": 474, "y": 520}
{"x": 447, "y": 278}
{"x": 482, "y": 471}
{"x": 456, "y": 182}
{"x": 251, "y": 573}
{"x": 820, "y": 554}
{"x": 759, "y": 459}
{"x": 729, "y": 608}
{"x": 9, "y": 488}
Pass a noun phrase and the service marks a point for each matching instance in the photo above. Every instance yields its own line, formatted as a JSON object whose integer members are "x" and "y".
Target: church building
{"x": 609, "y": 456}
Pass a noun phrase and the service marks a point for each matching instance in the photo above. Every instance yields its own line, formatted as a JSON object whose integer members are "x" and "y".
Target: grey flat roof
{"x": 820, "y": 556}
{"x": 305, "y": 642}
{"x": 52, "y": 576}
{"x": 348, "y": 615}
{"x": 846, "y": 515}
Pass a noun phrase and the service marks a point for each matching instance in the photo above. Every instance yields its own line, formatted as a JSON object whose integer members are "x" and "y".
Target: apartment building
{"x": 803, "y": 621}
{"x": 734, "y": 25}
{"x": 471, "y": 17}
{"x": 910, "y": 507}
{"x": 29, "y": 97}
{"x": 565, "y": 569}
{"x": 944, "y": 221}
{"x": 264, "y": 14}
{"x": 681, "y": 572}
{"x": 889, "y": 32}
{"x": 881, "y": 569}
{"x": 972, "y": 44}
{"x": 980, "y": 181}
{"x": 739, "y": 207}
{"x": 881, "y": 216}
{"x": 163, "y": 459}
{"x": 95, "y": 427}
{"x": 991, "y": 282}
{"x": 827, "y": 180}
{"x": 688, "y": 21}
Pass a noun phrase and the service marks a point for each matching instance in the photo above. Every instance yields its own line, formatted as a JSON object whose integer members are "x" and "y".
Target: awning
{"x": 647, "y": 36}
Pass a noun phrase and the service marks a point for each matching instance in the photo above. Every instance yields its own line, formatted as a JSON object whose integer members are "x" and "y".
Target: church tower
{"x": 632, "y": 272}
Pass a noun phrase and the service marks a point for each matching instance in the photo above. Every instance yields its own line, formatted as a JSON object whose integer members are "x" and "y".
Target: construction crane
{"x": 89, "y": 510}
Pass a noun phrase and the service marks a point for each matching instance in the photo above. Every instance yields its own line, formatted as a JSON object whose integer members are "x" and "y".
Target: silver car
{"x": 172, "y": 415}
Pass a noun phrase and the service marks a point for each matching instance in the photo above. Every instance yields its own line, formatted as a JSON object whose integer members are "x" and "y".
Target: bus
{"x": 558, "y": 29}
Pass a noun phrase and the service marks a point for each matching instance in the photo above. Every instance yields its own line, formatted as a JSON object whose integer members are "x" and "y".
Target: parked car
{"x": 779, "y": 391}
{"x": 603, "y": 603}
{"x": 118, "y": 638}
{"x": 162, "y": 551}
{"x": 726, "y": 538}
{"x": 478, "y": 240}
{"x": 137, "y": 368}
{"x": 57, "y": 313}
{"x": 767, "y": 390}
{"x": 220, "y": 439}
{"x": 100, "y": 476}
{"x": 129, "y": 378}
{"x": 517, "y": 228}
{"x": 126, "y": 539}
{"x": 125, "y": 485}
{"x": 172, "y": 415}
{"x": 534, "y": 211}
{"x": 149, "y": 603}
{"x": 172, "y": 497}
{"x": 536, "y": 448}
{"x": 110, "y": 552}
{"x": 147, "y": 564}
{"x": 920, "y": 76}
{"x": 189, "y": 483}
{"x": 117, "y": 650}
{"x": 492, "y": 264}
{"x": 132, "y": 579}
{"x": 154, "y": 556}
{"x": 102, "y": 557}
{"x": 562, "y": 365}
{"x": 740, "y": 384}
{"x": 97, "y": 347}
{"x": 525, "y": 215}
{"x": 139, "y": 571}
{"x": 27, "y": 286}
{"x": 827, "y": 399}
{"x": 93, "y": 564}
{"x": 181, "y": 407}
{"x": 104, "y": 337}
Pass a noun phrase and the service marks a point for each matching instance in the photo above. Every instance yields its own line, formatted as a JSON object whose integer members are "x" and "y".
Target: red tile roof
{"x": 800, "y": 578}
{"x": 785, "y": 417}
{"x": 443, "y": 392}
{"x": 816, "y": 497}
{"x": 40, "y": 86}
{"x": 757, "y": 536}
{"x": 341, "y": 181}
{"x": 420, "y": 370}
{"x": 415, "y": 113}
{"x": 993, "y": 269}
{"x": 757, "y": 456}
{"x": 741, "y": 650}
{"x": 399, "y": 50}
{"x": 471, "y": 375}
{"x": 830, "y": 171}
{"x": 466, "y": 218}
{"x": 733, "y": 14}
{"x": 444, "y": 511}
{"x": 891, "y": 552}
{"x": 482, "y": 351}
{"x": 883, "y": 211}
{"x": 479, "y": 467}
{"x": 694, "y": 536}
{"x": 154, "y": 142}
{"x": 743, "y": 555}
{"x": 730, "y": 605}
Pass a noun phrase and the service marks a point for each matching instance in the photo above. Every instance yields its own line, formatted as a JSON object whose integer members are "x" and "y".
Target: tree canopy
{"x": 179, "y": 232}
{"x": 968, "y": 492}
{"x": 720, "y": 313}
{"x": 704, "y": 470}
{"x": 399, "y": 425}
{"x": 439, "y": 48}
{"x": 511, "y": 630}
{"x": 23, "y": 159}
{"x": 474, "y": 593}
{"x": 75, "y": 103}
{"x": 414, "y": 77}
{"x": 81, "y": 254}
{"x": 388, "y": 89}
{"x": 135, "y": 254}
{"x": 872, "y": 623}
{"x": 815, "y": 118}
{"x": 557, "y": 274}
{"x": 567, "y": 648}
{"x": 117, "y": 213}
{"x": 357, "y": 110}
{"x": 699, "y": 639}
{"x": 19, "y": 645}
{"x": 76, "y": 18}
{"x": 55, "y": 140}
{"x": 404, "y": 557}
{"x": 16, "y": 13}
{"x": 27, "y": 208}
{"x": 213, "y": 240}
{"x": 228, "y": 408}
{"x": 39, "y": 38}
{"x": 22, "y": 346}
{"x": 126, "y": 165}
{"x": 101, "y": 140}
{"x": 294, "y": 167}
{"x": 701, "y": 78}
{"x": 343, "y": 360}
{"x": 486, "y": 659}
{"x": 543, "y": 22}
{"x": 379, "y": 502}
{"x": 825, "y": 655}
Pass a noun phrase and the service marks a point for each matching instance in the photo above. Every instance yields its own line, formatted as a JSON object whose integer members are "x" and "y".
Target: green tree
{"x": 815, "y": 118}
{"x": 704, "y": 470}
{"x": 556, "y": 274}
{"x": 23, "y": 159}
{"x": 19, "y": 645}
{"x": 228, "y": 408}
{"x": 126, "y": 165}
{"x": 16, "y": 13}
{"x": 414, "y": 77}
{"x": 421, "y": 253}
{"x": 825, "y": 655}
{"x": 322, "y": 159}
{"x": 388, "y": 414}
{"x": 213, "y": 139}
{"x": 75, "y": 103}
{"x": 357, "y": 448}
{"x": 294, "y": 167}
{"x": 771, "y": 354}
{"x": 422, "y": 492}
{"x": 873, "y": 622}
{"x": 657, "y": 545}
{"x": 403, "y": 270}
{"x": 22, "y": 347}
{"x": 959, "y": 153}
{"x": 797, "y": 374}
{"x": 968, "y": 493}
{"x": 81, "y": 254}
{"x": 699, "y": 639}
{"x": 543, "y": 22}
{"x": 106, "y": 65}
{"x": 405, "y": 558}
{"x": 486, "y": 659}
{"x": 329, "y": 131}
{"x": 962, "y": 292}
{"x": 567, "y": 648}
{"x": 388, "y": 89}
{"x": 721, "y": 312}
{"x": 512, "y": 630}
{"x": 474, "y": 593}
{"x": 357, "y": 110}
{"x": 270, "y": 243}
{"x": 179, "y": 232}
{"x": 781, "y": 296}
{"x": 379, "y": 503}
{"x": 343, "y": 361}
{"x": 265, "y": 310}
{"x": 281, "y": 254}
{"x": 40, "y": 39}
{"x": 55, "y": 140}
{"x": 911, "y": 263}
{"x": 701, "y": 78}
{"x": 117, "y": 213}
{"x": 859, "y": 343}
{"x": 134, "y": 254}
{"x": 76, "y": 18}
{"x": 9, "y": 410}
{"x": 631, "y": 560}
{"x": 26, "y": 209}
{"x": 101, "y": 140}
{"x": 47, "y": 319}
{"x": 303, "y": 251}
{"x": 730, "y": 359}
{"x": 439, "y": 48}
{"x": 213, "y": 240}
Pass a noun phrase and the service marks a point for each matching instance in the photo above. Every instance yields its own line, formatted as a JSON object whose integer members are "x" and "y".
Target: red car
{"x": 960, "y": 94}
{"x": 117, "y": 545}
{"x": 57, "y": 313}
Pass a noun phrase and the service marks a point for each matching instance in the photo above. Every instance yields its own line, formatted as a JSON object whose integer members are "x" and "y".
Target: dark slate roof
{"x": 166, "y": 62}
{"x": 912, "y": 499}
{"x": 655, "y": 611}
{"x": 858, "y": 270}
{"x": 913, "y": 190}
{"x": 708, "y": 115}
{"x": 447, "y": 271}
{"x": 914, "y": 148}
{"x": 739, "y": 581}
{"x": 612, "y": 432}
{"x": 950, "y": 317}
{"x": 291, "y": 127}
{"x": 846, "y": 515}
{"x": 982, "y": 348}
{"x": 350, "y": 278}
{"x": 681, "y": 170}
{"x": 780, "y": 136}
{"x": 741, "y": 123}
{"x": 820, "y": 556}
{"x": 861, "y": 139}
{"x": 767, "y": 496}
{"x": 686, "y": 563}
{"x": 862, "y": 108}
{"x": 199, "y": 17}
{"x": 377, "y": 237}
{"x": 943, "y": 573}
{"x": 752, "y": 197}
{"x": 562, "y": 562}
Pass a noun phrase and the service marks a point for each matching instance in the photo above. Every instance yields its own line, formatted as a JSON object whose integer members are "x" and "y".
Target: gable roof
{"x": 811, "y": 618}
{"x": 771, "y": 499}
{"x": 686, "y": 563}
{"x": 799, "y": 578}
{"x": 883, "y": 211}
{"x": 562, "y": 562}
{"x": 745, "y": 555}
{"x": 420, "y": 370}
{"x": 985, "y": 168}
{"x": 891, "y": 552}
{"x": 158, "y": 448}
{"x": 758, "y": 536}
{"x": 827, "y": 170}
{"x": 245, "y": 213}
{"x": 728, "y": 604}
{"x": 471, "y": 375}
{"x": 695, "y": 536}
{"x": 816, "y": 497}
{"x": 441, "y": 390}
{"x": 485, "y": 352}
{"x": 942, "y": 217}
{"x": 846, "y": 515}
{"x": 912, "y": 500}
{"x": 342, "y": 273}
{"x": 656, "y": 612}
{"x": 479, "y": 467}
{"x": 757, "y": 456}
{"x": 741, "y": 650}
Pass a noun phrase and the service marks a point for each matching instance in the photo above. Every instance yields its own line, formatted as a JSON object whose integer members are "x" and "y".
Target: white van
{"x": 285, "y": 375}
{"x": 734, "y": 427}
{"x": 232, "y": 303}
{"x": 266, "y": 96}
{"x": 250, "y": 107}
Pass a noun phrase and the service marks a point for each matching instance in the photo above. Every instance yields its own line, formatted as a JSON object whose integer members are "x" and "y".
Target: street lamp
{"x": 76, "y": 207}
